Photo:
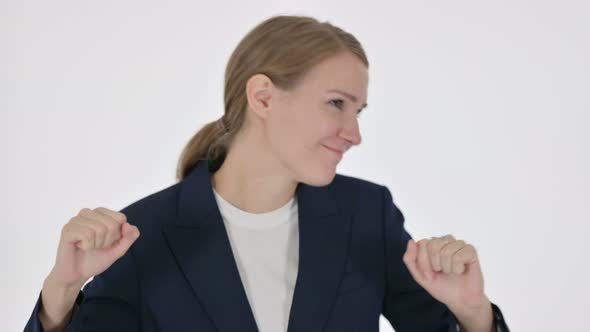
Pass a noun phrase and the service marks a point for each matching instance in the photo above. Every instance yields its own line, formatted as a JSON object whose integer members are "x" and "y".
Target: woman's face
{"x": 318, "y": 116}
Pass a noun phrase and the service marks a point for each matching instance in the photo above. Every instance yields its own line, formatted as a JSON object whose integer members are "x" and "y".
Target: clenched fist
{"x": 91, "y": 242}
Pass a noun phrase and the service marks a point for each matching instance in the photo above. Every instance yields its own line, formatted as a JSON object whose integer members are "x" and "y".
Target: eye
{"x": 339, "y": 102}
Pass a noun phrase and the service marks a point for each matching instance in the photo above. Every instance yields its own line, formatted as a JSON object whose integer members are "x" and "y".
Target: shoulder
{"x": 346, "y": 181}
{"x": 360, "y": 191}
{"x": 153, "y": 210}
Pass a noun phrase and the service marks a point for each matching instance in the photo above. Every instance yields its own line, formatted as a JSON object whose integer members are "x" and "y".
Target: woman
{"x": 260, "y": 233}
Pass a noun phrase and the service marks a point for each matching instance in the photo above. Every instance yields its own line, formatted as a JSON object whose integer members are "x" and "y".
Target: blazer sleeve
{"x": 407, "y": 305}
{"x": 107, "y": 303}
{"x": 34, "y": 324}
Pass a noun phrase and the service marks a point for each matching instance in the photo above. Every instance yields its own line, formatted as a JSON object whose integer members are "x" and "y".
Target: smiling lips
{"x": 338, "y": 152}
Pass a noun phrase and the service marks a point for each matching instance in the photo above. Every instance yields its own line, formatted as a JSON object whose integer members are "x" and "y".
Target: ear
{"x": 258, "y": 92}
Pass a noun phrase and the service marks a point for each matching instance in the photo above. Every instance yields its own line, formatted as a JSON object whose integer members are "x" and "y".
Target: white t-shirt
{"x": 266, "y": 249}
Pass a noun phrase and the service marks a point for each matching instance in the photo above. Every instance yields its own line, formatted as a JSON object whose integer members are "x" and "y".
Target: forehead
{"x": 344, "y": 72}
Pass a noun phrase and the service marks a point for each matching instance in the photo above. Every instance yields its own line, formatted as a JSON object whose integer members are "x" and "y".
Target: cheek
{"x": 292, "y": 137}
{"x": 301, "y": 131}
{"x": 322, "y": 134}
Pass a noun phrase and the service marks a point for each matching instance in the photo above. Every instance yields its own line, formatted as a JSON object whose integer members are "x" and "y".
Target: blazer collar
{"x": 199, "y": 241}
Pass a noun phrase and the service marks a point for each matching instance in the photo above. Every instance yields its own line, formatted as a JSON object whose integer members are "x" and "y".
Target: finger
{"x": 91, "y": 219}
{"x": 462, "y": 257}
{"x": 113, "y": 223}
{"x": 410, "y": 259}
{"x": 448, "y": 238}
{"x": 434, "y": 247}
{"x": 447, "y": 252}
{"x": 118, "y": 216}
{"x": 129, "y": 234}
{"x": 113, "y": 232}
{"x": 100, "y": 230}
{"x": 107, "y": 228}
{"x": 423, "y": 260}
{"x": 79, "y": 234}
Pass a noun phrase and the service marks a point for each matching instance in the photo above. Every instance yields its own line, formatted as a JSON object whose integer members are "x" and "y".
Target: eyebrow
{"x": 348, "y": 95}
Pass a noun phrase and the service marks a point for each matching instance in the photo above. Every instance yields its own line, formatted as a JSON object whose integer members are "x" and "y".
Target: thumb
{"x": 129, "y": 234}
{"x": 410, "y": 258}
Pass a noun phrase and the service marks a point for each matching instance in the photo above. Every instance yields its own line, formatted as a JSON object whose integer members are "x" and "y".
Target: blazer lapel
{"x": 201, "y": 246}
{"x": 199, "y": 241}
{"x": 324, "y": 233}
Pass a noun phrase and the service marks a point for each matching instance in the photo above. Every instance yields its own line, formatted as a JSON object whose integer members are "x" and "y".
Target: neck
{"x": 252, "y": 179}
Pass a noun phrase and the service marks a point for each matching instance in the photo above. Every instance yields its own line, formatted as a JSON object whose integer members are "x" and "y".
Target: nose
{"x": 351, "y": 131}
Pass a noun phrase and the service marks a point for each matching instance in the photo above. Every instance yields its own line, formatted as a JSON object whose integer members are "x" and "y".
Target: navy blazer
{"x": 180, "y": 274}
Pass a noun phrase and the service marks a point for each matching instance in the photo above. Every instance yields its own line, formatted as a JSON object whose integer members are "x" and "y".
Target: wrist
{"x": 475, "y": 318}
{"x": 52, "y": 280}
{"x": 466, "y": 310}
{"x": 57, "y": 302}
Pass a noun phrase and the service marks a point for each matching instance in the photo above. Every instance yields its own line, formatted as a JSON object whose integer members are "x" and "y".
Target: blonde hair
{"x": 283, "y": 48}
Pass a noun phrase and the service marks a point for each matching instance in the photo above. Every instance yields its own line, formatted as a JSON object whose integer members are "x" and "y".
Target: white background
{"x": 477, "y": 122}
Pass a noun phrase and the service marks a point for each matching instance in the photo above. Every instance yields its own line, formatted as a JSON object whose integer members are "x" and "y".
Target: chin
{"x": 317, "y": 170}
{"x": 319, "y": 179}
